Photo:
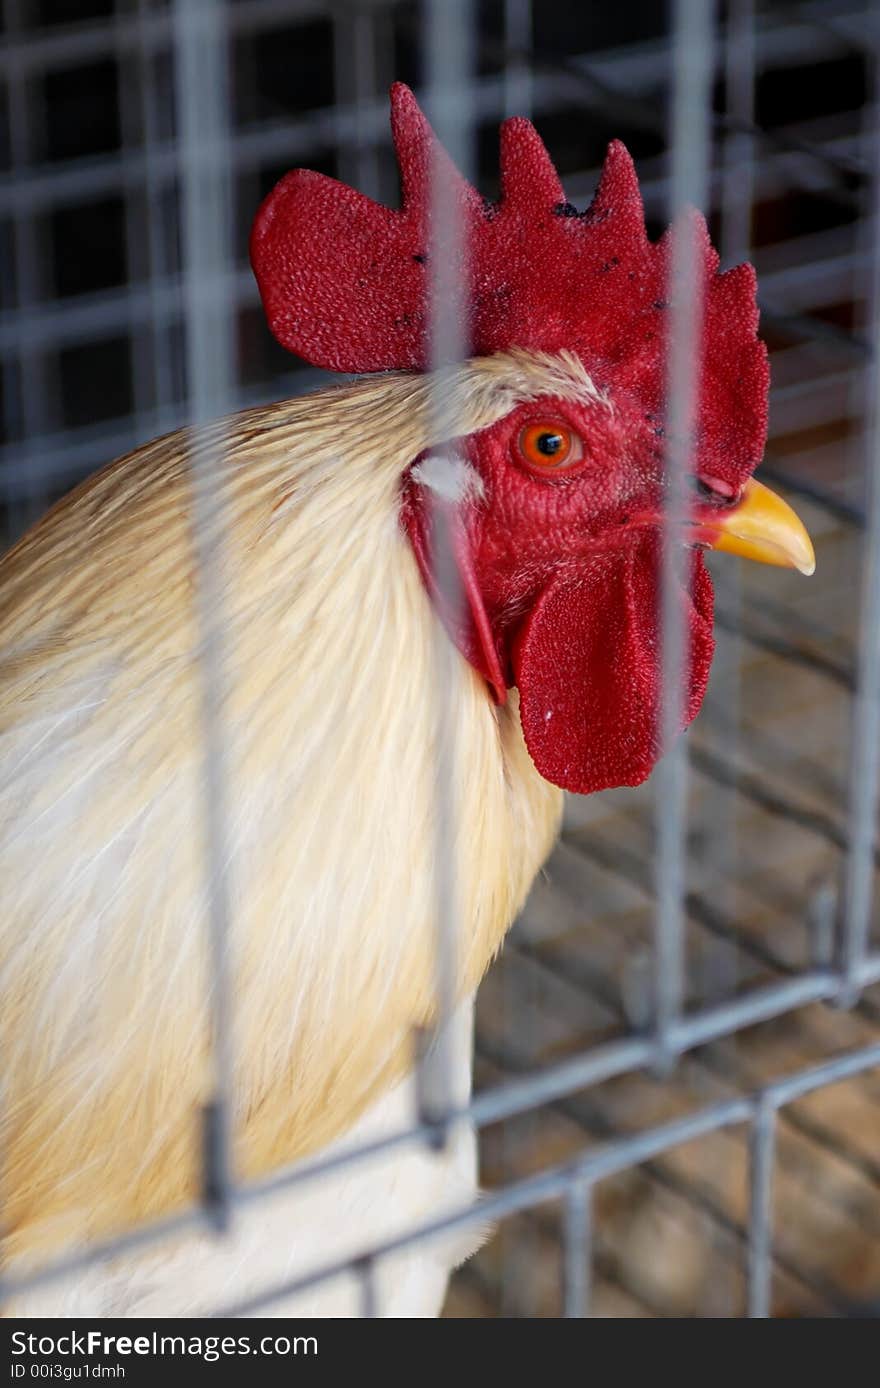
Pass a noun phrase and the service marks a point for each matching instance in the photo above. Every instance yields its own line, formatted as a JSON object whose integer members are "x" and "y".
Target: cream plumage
{"x": 552, "y": 494}
{"x": 329, "y": 724}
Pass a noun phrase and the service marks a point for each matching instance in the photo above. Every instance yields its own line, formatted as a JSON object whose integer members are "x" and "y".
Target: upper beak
{"x": 761, "y": 526}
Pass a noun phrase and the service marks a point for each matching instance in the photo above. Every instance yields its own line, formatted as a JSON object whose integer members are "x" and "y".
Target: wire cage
{"x": 676, "y": 1053}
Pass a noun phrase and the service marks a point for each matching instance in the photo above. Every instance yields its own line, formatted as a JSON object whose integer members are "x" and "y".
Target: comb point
{"x": 528, "y": 174}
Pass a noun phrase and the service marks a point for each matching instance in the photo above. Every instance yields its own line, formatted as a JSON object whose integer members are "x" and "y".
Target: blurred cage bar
{"x": 676, "y": 1055}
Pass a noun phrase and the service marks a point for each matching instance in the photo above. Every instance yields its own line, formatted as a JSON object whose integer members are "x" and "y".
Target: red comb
{"x": 345, "y": 281}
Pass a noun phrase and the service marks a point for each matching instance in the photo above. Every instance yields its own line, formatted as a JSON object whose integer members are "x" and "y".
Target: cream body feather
{"x": 326, "y": 1220}
{"x": 329, "y": 724}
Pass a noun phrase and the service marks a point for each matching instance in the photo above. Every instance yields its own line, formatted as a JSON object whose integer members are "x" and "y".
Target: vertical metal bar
{"x": 132, "y": 67}
{"x": 366, "y": 1274}
{"x": 719, "y": 961}
{"x": 518, "y": 1245}
{"x": 738, "y": 184}
{"x": 517, "y": 68}
{"x": 577, "y": 1249}
{"x": 356, "y": 85}
{"x": 736, "y": 220}
{"x": 202, "y": 99}
{"x": 689, "y": 140}
{"x": 154, "y": 99}
{"x": 762, "y": 1152}
{"x": 864, "y": 762}
{"x": 26, "y": 384}
{"x": 449, "y": 36}
{"x": 25, "y": 394}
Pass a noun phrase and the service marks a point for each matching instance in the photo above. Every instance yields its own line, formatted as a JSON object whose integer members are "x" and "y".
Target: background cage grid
{"x": 180, "y": 353}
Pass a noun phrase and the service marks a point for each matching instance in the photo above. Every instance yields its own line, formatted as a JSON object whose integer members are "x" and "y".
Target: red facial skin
{"x": 560, "y": 575}
{"x": 539, "y": 526}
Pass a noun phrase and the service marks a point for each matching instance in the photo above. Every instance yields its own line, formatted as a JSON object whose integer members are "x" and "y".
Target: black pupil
{"x": 549, "y": 444}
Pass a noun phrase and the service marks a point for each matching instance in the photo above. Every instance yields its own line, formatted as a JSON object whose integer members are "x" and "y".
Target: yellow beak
{"x": 764, "y": 527}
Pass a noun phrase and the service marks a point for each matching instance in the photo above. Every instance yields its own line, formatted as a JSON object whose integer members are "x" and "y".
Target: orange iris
{"x": 548, "y": 444}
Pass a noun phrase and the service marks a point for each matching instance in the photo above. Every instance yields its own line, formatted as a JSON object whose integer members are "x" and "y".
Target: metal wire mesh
{"x": 163, "y": 329}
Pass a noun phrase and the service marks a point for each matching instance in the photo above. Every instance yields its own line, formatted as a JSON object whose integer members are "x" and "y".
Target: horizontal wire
{"x": 596, "y": 1165}
{"x": 64, "y": 458}
{"x": 809, "y": 283}
{"x": 589, "y": 1119}
{"x": 523, "y": 1195}
{"x": 602, "y": 1063}
{"x": 595, "y": 987}
{"x": 326, "y": 128}
{"x": 68, "y": 46}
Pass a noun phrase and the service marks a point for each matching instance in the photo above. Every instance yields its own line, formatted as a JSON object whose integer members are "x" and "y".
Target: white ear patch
{"x": 452, "y": 479}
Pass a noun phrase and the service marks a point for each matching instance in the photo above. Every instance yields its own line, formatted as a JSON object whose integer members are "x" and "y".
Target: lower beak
{"x": 761, "y": 526}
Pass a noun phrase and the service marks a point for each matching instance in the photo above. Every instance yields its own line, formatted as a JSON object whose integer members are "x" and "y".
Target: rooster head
{"x": 553, "y": 513}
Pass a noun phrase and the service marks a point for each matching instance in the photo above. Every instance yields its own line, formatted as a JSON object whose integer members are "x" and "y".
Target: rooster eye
{"x": 549, "y": 445}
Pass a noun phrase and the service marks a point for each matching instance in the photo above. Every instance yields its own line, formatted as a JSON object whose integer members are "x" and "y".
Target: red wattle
{"x": 587, "y": 667}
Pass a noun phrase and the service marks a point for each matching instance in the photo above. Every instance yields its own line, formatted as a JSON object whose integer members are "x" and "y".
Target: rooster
{"x": 553, "y": 489}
